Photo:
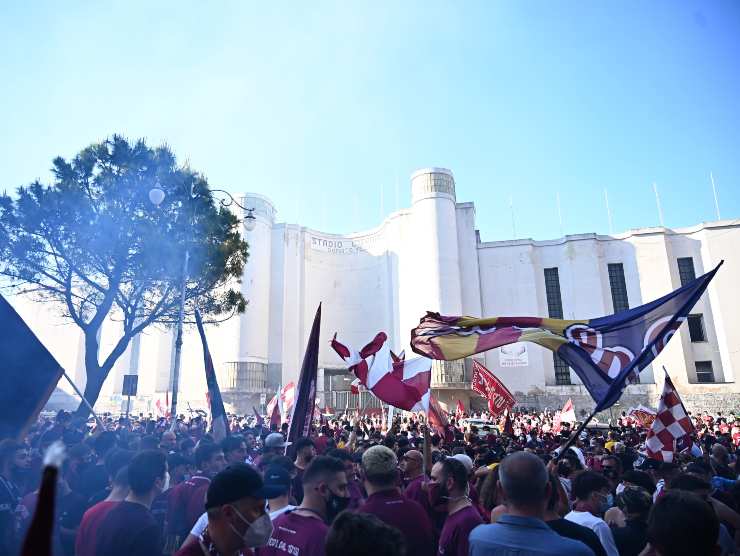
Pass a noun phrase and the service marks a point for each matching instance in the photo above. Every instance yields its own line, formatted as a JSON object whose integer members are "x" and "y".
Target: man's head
{"x": 524, "y": 482}
{"x": 412, "y": 463}
{"x": 104, "y": 443}
{"x": 592, "y": 489}
{"x": 235, "y": 449}
{"x": 720, "y": 454}
{"x": 346, "y": 458}
{"x": 275, "y": 444}
{"x": 692, "y": 483}
{"x": 13, "y": 456}
{"x": 278, "y": 481}
{"x": 147, "y": 473}
{"x": 168, "y": 442}
{"x": 380, "y": 467}
{"x": 179, "y": 467}
{"x": 209, "y": 458}
{"x": 325, "y": 486}
{"x": 305, "y": 450}
{"x": 235, "y": 503}
{"x": 635, "y": 503}
{"x": 363, "y": 534}
{"x": 682, "y": 524}
{"x": 449, "y": 482}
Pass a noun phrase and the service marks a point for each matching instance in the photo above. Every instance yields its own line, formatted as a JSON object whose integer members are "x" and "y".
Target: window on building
{"x": 555, "y": 311}
{"x": 686, "y": 270}
{"x": 618, "y": 287}
{"x": 704, "y": 371}
{"x": 562, "y": 371}
{"x": 696, "y": 328}
{"x": 552, "y": 290}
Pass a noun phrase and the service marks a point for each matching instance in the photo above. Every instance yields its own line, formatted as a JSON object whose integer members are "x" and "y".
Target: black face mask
{"x": 335, "y": 505}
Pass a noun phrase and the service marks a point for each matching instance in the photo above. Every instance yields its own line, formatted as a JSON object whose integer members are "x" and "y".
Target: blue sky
{"x": 322, "y": 106}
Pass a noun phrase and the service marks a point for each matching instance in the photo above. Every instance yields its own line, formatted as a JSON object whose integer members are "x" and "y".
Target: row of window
{"x": 618, "y": 286}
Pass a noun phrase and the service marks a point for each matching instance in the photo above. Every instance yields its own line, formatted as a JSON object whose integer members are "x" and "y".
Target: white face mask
{"x": 258, "y": 532}
{"x": 166, "y": 484}
{"x": 620, "y": 488}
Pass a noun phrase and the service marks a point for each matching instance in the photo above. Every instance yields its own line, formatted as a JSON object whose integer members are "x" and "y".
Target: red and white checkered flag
{"x": 672, "y": 429}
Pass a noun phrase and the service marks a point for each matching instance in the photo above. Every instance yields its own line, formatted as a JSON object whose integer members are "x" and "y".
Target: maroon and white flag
{"x": 402, "y": 383}
{"x": 672, "y": 428}
{"x": 487, "y": 385}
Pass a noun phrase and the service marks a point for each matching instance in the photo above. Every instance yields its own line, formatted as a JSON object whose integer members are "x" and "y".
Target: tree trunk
{"x": 93, "y": 386}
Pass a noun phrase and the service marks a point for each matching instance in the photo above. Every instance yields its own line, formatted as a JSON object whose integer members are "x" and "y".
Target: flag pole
{"x": 576, "y": 434}
{"x": 84, "y": 400}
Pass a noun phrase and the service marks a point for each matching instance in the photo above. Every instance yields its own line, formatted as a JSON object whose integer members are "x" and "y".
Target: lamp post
{"x": 156, "y": 196}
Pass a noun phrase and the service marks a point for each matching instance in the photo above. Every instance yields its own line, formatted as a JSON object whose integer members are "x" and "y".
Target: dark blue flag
{"x": 305, "y": 395}
{"x": 219, "y": 422}
{"x": 28, "y": 373}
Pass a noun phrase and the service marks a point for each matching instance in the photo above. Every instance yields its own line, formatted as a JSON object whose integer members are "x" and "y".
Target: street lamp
{"x": 156, "y": 196}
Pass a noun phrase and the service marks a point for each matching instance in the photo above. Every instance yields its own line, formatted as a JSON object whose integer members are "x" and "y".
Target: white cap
{"x": 465, "y": 460}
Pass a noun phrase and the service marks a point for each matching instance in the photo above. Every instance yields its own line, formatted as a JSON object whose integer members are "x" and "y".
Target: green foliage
{"x": 95, "y": 243}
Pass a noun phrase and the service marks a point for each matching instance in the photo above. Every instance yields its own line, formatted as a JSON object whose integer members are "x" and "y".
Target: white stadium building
{"x": 431, "y": 257}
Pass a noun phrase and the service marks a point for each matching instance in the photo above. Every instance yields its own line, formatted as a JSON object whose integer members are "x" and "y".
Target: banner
{"x": 604, "y": 352}
{"x": 643, "y": 415}
{"x": 490, "y": 387}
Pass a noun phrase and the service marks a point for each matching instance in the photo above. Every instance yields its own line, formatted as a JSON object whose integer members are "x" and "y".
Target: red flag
{"x": 672, "y": 428}
{"x": 460, "y": 411}
{"x": 260, "y": 420}
{"x": 273, "y": 410}
{"x": 437, "y": 417}
{"x": 487, "y": 385}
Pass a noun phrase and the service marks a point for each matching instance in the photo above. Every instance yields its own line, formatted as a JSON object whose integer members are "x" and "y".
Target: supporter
{"x": 168, "y": 442}
{"x": 385, "y": 501}
{"x": 179, "y": 468}
{"x": 354, "y": 485}
{"x": 237, "y": 520}
{"x": 449, "y": 483}
{"x": 611, "y": 468}
{"x": 278, "y": 480}
{"x": 350, "y": 532}
{"x": 274, "y": 444}
{"x": 557, "y": 507}
{"x": 593, "y": 499}
{"x": 303, "y": 530}
{"x": 185, "y": 502}
{"x": 412, "y": 468}
{"x": 12, "y": 454}
{"x": 95, "y": 478}
{"x": 87, "y": 533}
{"x": 130, "y": 528}
{"x": 305, "y": 451}
{"x": 634, "y": 504}
{"x": 523, "y": 481}
{"x": 235, "y": 449}
{"x": 682, "y": 524}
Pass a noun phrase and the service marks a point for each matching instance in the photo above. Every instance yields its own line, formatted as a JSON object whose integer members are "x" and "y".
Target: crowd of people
{"x": 359, "y": 485}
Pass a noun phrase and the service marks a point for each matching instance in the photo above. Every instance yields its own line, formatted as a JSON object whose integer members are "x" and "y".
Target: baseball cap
{"x": 277, "y": 478}
{"x": 236, "y": 482}
{"x": 276, "y": 440}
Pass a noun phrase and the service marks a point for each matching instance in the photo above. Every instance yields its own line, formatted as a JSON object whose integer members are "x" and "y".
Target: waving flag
{"x": 304, "y": 402}
{"x": 490, "y": 387}
{"x": 219, "y": 422}
{"x": 672, "y": 428}
{"x": 28, "y": 374}
{"x": 643, "y": 415}
{"x": 604, "y": 352}
{"x": 459, "y": 410}
{"x": 393, "y": 379}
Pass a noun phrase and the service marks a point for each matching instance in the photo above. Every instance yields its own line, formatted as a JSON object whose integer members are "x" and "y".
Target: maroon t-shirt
{"x": 186, "y": 503}
{"x": 454, "y": 538}
{"x": 88, "y": 530}
{"x": 295, "y": 534}
{"x": 405, "y": 515}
